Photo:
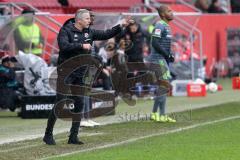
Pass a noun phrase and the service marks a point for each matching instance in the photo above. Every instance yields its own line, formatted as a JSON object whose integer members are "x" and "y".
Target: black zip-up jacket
{"x": 135, "y": 52}
{"x": 71, "y": 40}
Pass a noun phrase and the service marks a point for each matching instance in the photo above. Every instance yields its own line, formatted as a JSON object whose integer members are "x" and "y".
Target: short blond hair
{"x": 80, "y": 12}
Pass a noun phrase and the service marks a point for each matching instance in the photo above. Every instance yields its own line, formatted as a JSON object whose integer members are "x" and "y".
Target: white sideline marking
{"x": 29, "y": 137}
{"x": 143, "y": 137}
{"x": 38, "y": 144}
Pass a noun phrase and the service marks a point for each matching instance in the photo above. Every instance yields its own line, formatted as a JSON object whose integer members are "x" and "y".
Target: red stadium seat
{"x": 96, "y": 5}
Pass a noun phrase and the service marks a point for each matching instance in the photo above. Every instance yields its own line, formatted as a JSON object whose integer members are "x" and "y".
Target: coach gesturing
{"x": 75, "y": 38}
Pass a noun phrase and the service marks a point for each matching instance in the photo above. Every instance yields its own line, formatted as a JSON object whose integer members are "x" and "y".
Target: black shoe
{"x": 74, "y": 140}
{"x": 12, "y": 108}
{"x": 48, "y": 139}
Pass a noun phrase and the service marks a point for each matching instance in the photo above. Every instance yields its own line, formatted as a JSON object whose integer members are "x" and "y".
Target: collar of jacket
{"x": 74, "y": 29}
{"x": 163, "y": 22}
{"x": 69, "y": 24}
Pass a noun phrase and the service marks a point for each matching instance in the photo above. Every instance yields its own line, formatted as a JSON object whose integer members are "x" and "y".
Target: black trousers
{"x": 78, "y": 106}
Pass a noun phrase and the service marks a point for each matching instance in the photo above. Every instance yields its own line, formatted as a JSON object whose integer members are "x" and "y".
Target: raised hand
{"x": 126, "y": 21}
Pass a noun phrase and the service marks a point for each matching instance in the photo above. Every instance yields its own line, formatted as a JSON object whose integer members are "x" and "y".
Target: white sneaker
{"x": 86, "y": 124}
{"x": 94, "y": 123}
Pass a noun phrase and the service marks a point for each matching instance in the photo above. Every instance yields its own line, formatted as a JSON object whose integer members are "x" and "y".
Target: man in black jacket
{"x": 8, "y": 84}
{"x": 134, "y": 34}
{"x": 75, "y": 38}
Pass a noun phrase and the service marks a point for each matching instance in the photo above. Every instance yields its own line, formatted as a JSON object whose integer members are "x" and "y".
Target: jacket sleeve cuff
{"x": 117, "y": 27}
{"x": 78, "y": 45}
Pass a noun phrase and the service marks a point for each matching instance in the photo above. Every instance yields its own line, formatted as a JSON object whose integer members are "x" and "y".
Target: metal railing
{"x": 186, "y": 3}
{"x": 42, "y": 18}
{"x": 191, "y": 29}
{"x": 184, "y": 25}
{"x": 226, "y": 4}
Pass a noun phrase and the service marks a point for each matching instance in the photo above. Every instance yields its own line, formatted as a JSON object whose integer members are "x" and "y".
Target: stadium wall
{"x": 214, "y": 35}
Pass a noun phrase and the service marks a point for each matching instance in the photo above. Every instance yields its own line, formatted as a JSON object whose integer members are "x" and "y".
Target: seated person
{"x": 8, "y": 84}
{"x": 107, "y": 54}
{"x": 215, "y": 7}
{"x": 202, "y": 5}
